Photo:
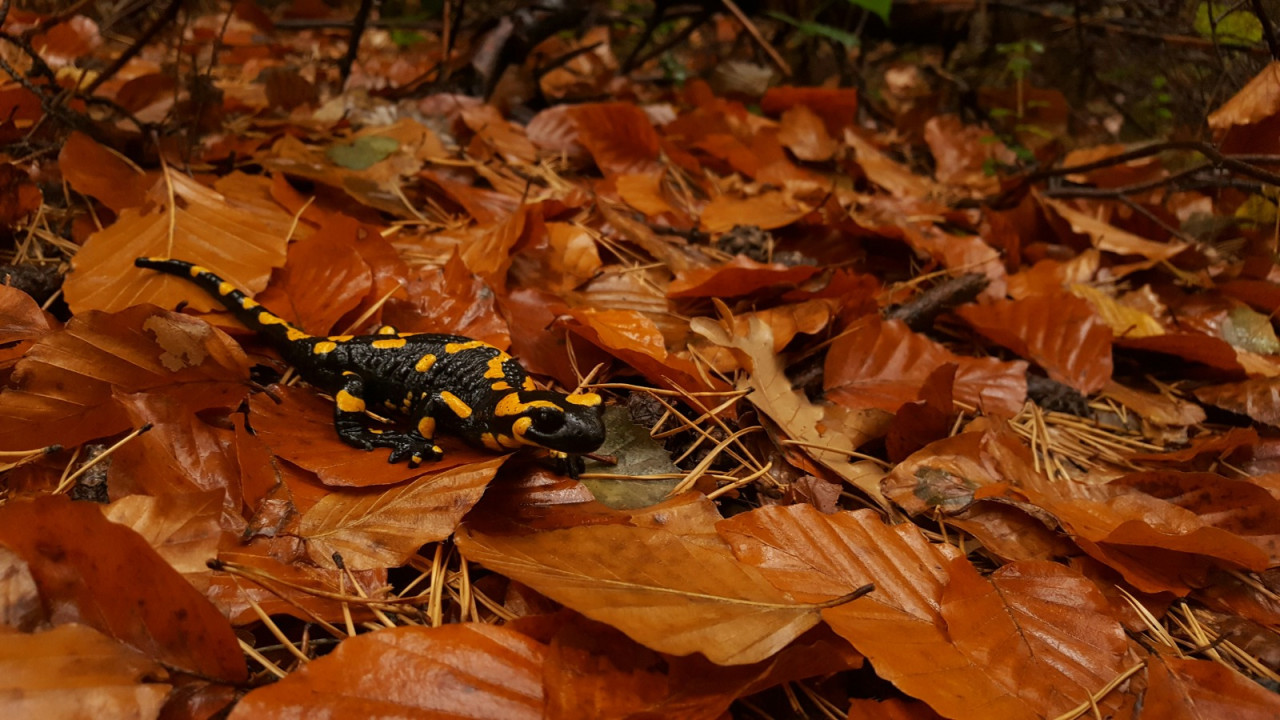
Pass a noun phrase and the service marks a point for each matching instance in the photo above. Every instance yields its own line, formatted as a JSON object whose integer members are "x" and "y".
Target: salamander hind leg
{"x": 349, "y": 421}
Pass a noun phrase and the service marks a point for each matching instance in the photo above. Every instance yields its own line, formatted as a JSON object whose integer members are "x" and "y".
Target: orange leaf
{"x": 1109, "y": 238}
{"x": 384, "y": 527}
{"x": 297, "y": 589}
{"x": 933, "y": 626}
{"x": 672, "y": 593}
{"x": 882, "y": 364}
{"x": 1258, "y": 398}
{"x": 323, "y": 279}
{"x": 449, "y": 300}
{"x": 239, "y": 242}
{"x": 1165, "y": 545}
{"x": 1041, "y": 631}
{"x": 182, "y": 528}
{"x": 1258, "y": 100}
{"x": 1187, "y": 689}
{"x": 20, "y": 317}
{"x": 767, "y": 211}
{"x": 619, "y": 137}
{"x": 101, "y": 173}
{"x": 105, "y": 575}
{"x": 643, "y": 191}
{"x": 1061, "y": 333}
{"x": 1196, "y": 347}
{"x": 829, "y": 433}
{"x": 63, "y": 390}
{"x": 469, "y": 670}
{"x": 740, "y": 276}
{"x": 182, "y": 454}
{"x": 838, "y": 107}
{"x": 74, "y": 671}
{"x": 804, "y": 133}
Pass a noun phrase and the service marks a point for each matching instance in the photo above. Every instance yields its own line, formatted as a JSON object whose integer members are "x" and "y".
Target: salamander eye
{"x": 546, "y": 420}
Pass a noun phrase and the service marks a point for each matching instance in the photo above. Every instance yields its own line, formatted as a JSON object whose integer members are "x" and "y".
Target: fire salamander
{"x": 437, "y": 382}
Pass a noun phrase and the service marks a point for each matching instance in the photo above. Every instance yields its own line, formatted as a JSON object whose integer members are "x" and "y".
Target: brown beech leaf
{"x": 1041, "y": 630}
{"x": 767, "y": 211}
{"x": 182, "y": 454}
{"x": 882, "y": 364}
{"x": 1258, "y": 100}
{"x": 593, "y": 671}
{"x": 962, "y": 153}
{"x": 298, "y": 426}
{"x": 1196, "y": 347}
{"x": 740, "y": 276}
{"x": 889, "y": 174}
{"x": 452, "y": 672}
{"x": 384, "y": 527}
{"x": 74, "y": 671}
{"x": 673, "y": 593}
{"x": 324, "y": 279}
{"x": 105, "y": 575}
{"x": 238, "y": 241}
{"x": 838, "y": 107}
{"x": 298, "y": 589}
{"x": 805, "y": 134}
{"x": 1165, "y": 530}
{"x": 182, "y": 528}
{"x": 632, "y": 337}
{"x": 920, "y": 626}
{"x": 1188, "y": 689}
{"x": 449, "y": 300}
{"x": 1109, "y": 238}
{"x": 20, "y": 317}
{"x": 62, "y": 391}
{"x": 618, "y": 136}
{"x": 1257, "y": 398}
{"x": 101, "y": 173}
{"x": 828, "y": 436}
{"x": 1061, "y": 333}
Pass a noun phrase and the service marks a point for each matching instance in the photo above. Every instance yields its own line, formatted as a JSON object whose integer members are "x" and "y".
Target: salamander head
{"x": 555, "y": 421}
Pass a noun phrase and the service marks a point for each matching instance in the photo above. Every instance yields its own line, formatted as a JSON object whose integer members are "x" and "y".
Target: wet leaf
{"x": 457, "y": 671}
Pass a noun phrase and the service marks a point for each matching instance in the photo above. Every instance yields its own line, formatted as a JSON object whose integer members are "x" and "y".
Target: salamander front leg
{"x": 349, "y": 421}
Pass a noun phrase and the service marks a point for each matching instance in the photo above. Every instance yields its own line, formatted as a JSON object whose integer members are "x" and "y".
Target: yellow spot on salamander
{"x": 226, "y": 288}
{"x": 324, "y": 346}
{"x": 249, "y": 304}
{"x": 586, "y": 399}
{"x": 294, "y": 334}
{"x": 521, "y": 426}
{"x": 501, "y": 385}
{"x": 490, "y": 441}
{"x": 388, "y": 344}
{"x": 197, "y": 270}
{"x": 510, "y": 405}
{"x": 388, "y": 405}
{"x": 349, "y": 403}
{"x": 452, "y": 348}
{"x": 454, "y": 403}
{"x": 425, "y": 362}
{"x": 427, "y": 427}
{"x": 386, "y": 330}
{"x": 497, "y": 366}
{"x": 528, "y": 384}
{"x": 340, "y": 338}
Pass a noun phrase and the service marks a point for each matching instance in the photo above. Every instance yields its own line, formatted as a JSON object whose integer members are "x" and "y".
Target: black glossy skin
{"x": 437, "y": 382}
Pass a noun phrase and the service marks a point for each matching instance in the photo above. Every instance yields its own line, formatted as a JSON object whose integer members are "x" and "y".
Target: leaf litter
{"x": 962, "y": 403}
